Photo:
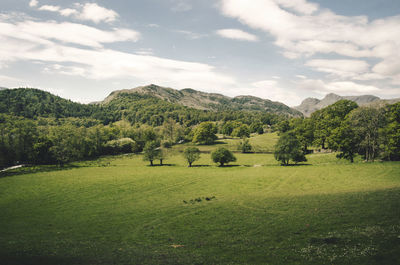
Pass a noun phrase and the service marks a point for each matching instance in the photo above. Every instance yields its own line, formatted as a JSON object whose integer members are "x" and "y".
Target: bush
{"x": 121, "y": 146}
{"x": 222, "y": 156}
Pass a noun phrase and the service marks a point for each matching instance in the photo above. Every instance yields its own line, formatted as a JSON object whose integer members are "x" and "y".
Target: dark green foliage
{"x": 244, "y": 146}
{"x": 289, "y": 148}
{"x": 32, "y": 103}
{"x": 366, "y": 123}
{"x": 329, "y": 118}
{"x": 390, "y": 134}
{"x": 191, "y": 154}
{"x": 205, "y": 133}
{"x": 222, "y": 156}
{"x": 257, "y": 127}
{"x": 344, "y": 139}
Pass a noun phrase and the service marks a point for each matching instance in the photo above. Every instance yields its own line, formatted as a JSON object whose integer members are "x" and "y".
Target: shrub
{"x": 222, "y": 156}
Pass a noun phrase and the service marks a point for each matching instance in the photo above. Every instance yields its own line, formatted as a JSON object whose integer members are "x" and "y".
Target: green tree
{"x": 257, "y": 127}
{"x": 205, "y": 133}
{"x": 222, "y": 156}
{"x": 191, "y": 154}
{"x": 390, "y": 134}
{"x": 289, "y": 148}
{"x": 241, "y": 131}
{"x": 245, "y": 146}
{"x": 344, "y": 140}
{"x": 151, "y": 151}
{"x": 366, "y": 123}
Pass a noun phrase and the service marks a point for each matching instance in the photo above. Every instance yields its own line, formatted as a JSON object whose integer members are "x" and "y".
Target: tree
{"x": 222, "y": 156}
{"x": 257, "y": 127}
{"x": 289, "y": 148}
{"x": 244, "y": 145}
{"x": 327, "y": 119}
{"x": 241, "y": 131}
{"x": 366, "y": 123}
{"x": 205, "y": 133}
{"x": 344, "y": 139}
{"x": 390, "y": 134}
{"x": 191, "y": 154}
{"x": 151, "y": 151}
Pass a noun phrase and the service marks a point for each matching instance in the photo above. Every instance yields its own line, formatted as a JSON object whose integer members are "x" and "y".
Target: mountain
{"x": 309, "y": 105}
{"x": 205, "y": 101}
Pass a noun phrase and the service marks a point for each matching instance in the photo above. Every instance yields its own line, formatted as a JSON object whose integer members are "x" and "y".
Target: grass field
{"x": 118, "y": 210}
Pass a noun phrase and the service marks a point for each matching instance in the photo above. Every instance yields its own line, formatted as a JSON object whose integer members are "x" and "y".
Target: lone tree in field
{"x": 205, "y": 133}
{"x": 245, "y": 146}
{"x": 191, "y": 154}
{"x": 222, "y": 156}
{"x": 151, "y": 151}
{"x": 289, "y": 148}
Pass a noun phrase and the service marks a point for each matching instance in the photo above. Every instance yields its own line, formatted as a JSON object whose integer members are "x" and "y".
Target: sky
{"x": 282, "y": 50}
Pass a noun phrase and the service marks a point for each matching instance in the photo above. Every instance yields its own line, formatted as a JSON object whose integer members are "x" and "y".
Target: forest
{"x": 39, "y": 128}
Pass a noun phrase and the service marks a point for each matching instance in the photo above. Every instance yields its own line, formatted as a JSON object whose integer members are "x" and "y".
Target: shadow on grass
{"x": 163, "y": 165}
{"x": 41, "y": 260}
{"x": 37, "y": 169}
{"x": 296, "y": 165}
{"x": 200, "y": 166}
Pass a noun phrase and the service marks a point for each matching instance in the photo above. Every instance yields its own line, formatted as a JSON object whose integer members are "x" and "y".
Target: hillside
{"x": 206, "y": 101}
{"x": 310, "y": 105}
{"x": 32, "y": 103}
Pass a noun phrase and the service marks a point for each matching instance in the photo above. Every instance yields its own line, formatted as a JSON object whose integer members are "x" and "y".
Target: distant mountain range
{"x": 310, "y": 105}
{"x": 206, "y": 101}
{"x": 34, "y": 102}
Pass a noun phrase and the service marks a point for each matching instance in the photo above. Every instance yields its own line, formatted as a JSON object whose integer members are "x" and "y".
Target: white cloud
{"x": 49, "y": 8}
{"x": 33, "y": 3}
{"x": 191, "y": 35}
{"x": 45, "y": 32}
{"x": 301, "y": 76}
{"x": 303, "y": 29}
{"x": 50, "y": 43}
{"x": 96, "y": 13}
{"x": 340, "y": 68}
{"x": 236, "y": 34}
{"x": 272, "y": 89}
{"x": 344, "y": 88}
{"x": 89, "y": 12}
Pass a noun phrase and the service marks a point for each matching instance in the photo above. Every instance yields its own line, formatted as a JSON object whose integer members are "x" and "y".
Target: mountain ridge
{"x": 310, "y": 105}
{"x": 206, "y": 101}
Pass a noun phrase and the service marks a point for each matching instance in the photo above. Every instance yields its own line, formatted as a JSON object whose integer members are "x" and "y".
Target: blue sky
{"x": 283, "y": 50}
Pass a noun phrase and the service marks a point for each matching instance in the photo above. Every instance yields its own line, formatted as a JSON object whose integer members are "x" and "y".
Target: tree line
{"x": 343, "y": 127}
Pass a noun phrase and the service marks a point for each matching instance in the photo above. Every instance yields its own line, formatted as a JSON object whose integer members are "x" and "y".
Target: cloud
{"x": 303, "y": 29}
{"x": 191, "y": 35}
{"x": 87, "y": 12}
{"x": 340, "y": 68}
{"x": 33, "y": 3}
{"x": 344, "y": 88}
{"x": 49, "y": 8}
{"x": 236, "y": 34}
{"x": 45, "y": 32}
{"x": 272, "y": 89}
{"x": 54, "y": 44}
{"x": 96, "y": 13}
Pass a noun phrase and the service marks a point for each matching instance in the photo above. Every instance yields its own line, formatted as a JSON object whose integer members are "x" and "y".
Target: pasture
{"x": 118, "y": 210}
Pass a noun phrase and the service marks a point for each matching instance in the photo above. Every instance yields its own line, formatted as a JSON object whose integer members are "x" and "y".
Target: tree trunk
{"x": 151, "y": 162}
{"x": 161, "y": 162}
{"x": 190, "y": 164}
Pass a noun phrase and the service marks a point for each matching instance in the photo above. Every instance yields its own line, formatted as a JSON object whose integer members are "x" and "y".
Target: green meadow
{"x": 119, "y": 210}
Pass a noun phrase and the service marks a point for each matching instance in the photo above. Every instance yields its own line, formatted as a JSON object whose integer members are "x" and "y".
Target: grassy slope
{"x": 120, "y": 211}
